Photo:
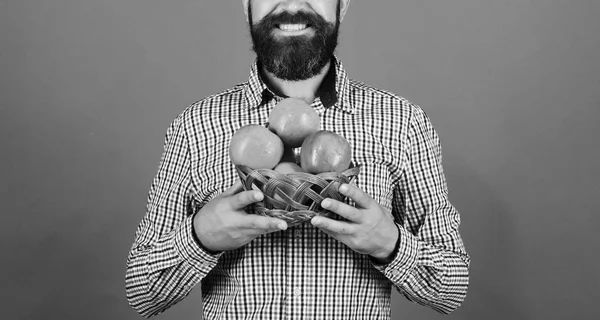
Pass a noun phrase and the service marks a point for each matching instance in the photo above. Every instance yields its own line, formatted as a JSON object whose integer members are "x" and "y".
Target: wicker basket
{"x": 294, "y": 197}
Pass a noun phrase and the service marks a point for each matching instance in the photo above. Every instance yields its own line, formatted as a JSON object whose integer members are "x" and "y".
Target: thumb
{"x": 237, "y": 187}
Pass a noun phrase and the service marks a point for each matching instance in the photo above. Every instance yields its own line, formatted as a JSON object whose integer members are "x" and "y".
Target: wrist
{"x": 388, "y": 254}
{"x": 196, "y": 236}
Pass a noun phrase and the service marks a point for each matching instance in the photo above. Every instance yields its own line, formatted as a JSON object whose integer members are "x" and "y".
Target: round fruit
{"x": 325, "y": 151}
{"x": 293, "y": 120}
{"x": 288, "y": 167}
{"x": 256, "y": 147}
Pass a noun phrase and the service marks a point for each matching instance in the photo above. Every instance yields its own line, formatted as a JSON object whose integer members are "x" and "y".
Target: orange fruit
{"x": 288, "y": 167}
{"x": 255, "y": 146}
{"x": 293, "y": 120}
{"x": 325, "y": 151}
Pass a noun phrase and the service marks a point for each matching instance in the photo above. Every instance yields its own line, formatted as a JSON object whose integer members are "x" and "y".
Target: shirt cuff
{"x": 189, "y": 249}
{"x": 405, "y": 259}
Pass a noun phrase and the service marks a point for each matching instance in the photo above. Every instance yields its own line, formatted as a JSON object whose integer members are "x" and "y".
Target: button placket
{"x": 394, "y": 273}
{"x": 293, "y": 270}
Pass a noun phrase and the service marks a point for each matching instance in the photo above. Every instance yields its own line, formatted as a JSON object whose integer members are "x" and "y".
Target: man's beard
{"x": 294, "y": 58}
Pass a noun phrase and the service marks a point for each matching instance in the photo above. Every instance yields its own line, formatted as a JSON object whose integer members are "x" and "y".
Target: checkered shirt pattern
{"x": 301, "y": 273}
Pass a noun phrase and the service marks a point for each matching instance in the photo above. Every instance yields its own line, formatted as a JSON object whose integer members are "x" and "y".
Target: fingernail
{"x": 325, "y": 203}
{"x": 282, "y": 225}
{"x": 258, "y": 196}
{"x": 344, "y": 188}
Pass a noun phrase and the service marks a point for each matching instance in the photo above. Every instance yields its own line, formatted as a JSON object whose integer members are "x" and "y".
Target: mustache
{"x": 273, "y": 20}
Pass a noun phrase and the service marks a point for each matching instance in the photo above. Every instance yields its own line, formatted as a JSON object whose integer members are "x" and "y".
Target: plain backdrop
{"x": 88, "y": 88}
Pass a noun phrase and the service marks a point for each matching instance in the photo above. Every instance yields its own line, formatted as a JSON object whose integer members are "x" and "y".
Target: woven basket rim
{"x": 295, "y": 196}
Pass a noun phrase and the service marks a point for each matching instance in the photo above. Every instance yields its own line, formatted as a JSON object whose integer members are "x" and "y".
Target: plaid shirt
{"x": 301, "y": 273}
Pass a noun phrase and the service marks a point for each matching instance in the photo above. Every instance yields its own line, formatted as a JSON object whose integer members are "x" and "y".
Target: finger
{"x": 263, "y": 224}
{"x": 361, "y": 199}
{"x": 333, "y": 226}
{"x": 344, "y": 210}
{"x": 237, "y": 187}
{"x": 241, "y": 200}
{"x": 339, "y": 237}
{"x": 331, "y": 234}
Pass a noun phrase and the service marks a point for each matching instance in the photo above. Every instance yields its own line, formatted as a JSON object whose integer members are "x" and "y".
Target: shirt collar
{"x": 334, "y": 90}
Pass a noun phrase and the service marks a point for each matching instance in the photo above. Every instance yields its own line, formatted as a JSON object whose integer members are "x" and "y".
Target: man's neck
{"x": 304, "y": 89}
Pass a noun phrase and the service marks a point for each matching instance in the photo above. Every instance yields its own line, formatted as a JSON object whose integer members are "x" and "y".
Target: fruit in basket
{"x": 288, "y": 167}
{"x": 293, "y": 120}
{"x": 325, "y": 151}
{"x": 255, "y": 146}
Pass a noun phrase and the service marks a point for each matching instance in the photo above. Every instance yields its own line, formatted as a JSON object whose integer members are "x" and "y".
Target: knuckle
{"x": 355, "y": 243}
{"x": 350, "y": 229}
{"x": 229, "y": 203}
{"x": 263, "y": 224}
{"x": 352, "y": 243}
{"x": 352, "y": 191}
{"x": 324, "y": 224}
{"x": 245, "y": 199}
{"x": 333, "y": 205}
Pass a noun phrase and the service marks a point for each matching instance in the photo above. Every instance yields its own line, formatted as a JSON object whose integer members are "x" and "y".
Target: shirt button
{"x": 298, "y": 233}
{"x": 395, "y": 273}
{"x": 296, "y": 291}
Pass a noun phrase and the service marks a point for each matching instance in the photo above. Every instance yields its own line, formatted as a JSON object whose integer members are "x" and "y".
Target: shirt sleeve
{"x": 165, "y": 261}
{"x": 431, "y": 264}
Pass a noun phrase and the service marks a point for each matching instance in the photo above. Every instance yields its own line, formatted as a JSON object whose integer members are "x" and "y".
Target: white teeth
{"x": 292, "y": 27}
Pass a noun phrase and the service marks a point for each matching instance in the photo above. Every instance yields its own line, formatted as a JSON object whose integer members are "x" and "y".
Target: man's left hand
{"x": 369, "y": 229}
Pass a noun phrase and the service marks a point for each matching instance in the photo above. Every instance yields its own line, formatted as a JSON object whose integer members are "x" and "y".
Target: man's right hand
{"x": 223, "y": 225}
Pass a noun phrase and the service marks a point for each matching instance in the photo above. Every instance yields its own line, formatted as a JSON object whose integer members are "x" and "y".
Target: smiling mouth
{"x": 293, "y": 27}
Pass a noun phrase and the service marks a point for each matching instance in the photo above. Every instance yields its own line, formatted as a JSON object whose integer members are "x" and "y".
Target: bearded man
{"x": 399, "y": 229}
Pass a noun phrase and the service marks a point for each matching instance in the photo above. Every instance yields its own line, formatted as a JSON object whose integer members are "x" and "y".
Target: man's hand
{"x": 223, "y": 225}
{"x": 369, "y": 229}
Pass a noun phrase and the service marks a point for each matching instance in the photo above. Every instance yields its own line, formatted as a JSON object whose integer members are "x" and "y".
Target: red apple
{"x": 293, "y": 120}
{"x": 325, "y": 151}
{"x": 255, "y": 146}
